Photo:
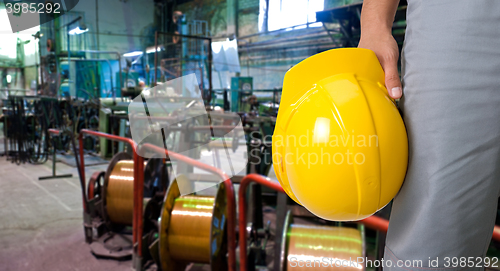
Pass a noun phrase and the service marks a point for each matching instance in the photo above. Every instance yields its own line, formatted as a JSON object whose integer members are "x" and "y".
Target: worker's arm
{"x": 377, "y": 17}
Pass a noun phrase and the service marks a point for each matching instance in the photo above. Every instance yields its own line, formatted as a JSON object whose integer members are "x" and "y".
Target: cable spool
{"x": 120, "y": 193}
{"x": 192, "y": 229}
{"x": 119, "y": 186}
{"x": 339, "y": 246}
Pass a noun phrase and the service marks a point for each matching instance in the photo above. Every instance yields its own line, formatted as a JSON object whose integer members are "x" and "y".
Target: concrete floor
{"x": 41, "y": 221}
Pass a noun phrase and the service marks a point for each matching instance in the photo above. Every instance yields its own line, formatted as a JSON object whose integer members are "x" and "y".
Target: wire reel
{"x": 118, "y": 189}
{"x": 118, "y": 186}
{"x": 111, "y": 206}
{"x": 193, "y": 229}
{"x": 339, "y": 246}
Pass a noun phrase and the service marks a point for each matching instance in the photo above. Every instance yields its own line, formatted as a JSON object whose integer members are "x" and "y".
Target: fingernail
{"x": 396, "y": 92}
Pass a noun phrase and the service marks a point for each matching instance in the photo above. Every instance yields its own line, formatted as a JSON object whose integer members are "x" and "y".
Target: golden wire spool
{"x": 320, "y": 247}
{"x": 192, "y": 229}
{"x": 119, "y": 189}
{"x": 120, "y": 193}
{"x": 121, "y": 156}
{"x": 189, "y": 229}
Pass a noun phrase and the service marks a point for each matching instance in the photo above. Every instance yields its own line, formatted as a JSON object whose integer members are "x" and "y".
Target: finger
{"x": 392, "y": 81}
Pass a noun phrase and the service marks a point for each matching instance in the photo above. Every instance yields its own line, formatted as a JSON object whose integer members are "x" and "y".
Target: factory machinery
{"x": 135, "y": 209}
{"x": 28, "y": 118}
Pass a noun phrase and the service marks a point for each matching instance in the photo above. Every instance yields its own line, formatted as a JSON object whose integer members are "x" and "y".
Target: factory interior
{"x": 137, "y": 135}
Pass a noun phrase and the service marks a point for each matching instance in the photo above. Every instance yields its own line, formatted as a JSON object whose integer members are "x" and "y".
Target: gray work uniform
{"x": 451, "y": 108}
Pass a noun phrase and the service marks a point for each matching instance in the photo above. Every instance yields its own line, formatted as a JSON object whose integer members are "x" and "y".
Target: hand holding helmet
{"x": 339, "y": 147}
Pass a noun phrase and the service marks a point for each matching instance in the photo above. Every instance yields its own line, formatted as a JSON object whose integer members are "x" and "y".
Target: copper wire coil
{"x": 119, "y": 193}
{"x": 323, "y": 248}
{"x": 189, "y": 229}
{"x": 192, "y": 229}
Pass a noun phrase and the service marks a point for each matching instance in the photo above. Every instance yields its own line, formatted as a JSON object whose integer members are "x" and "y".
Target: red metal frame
{"x": 376, "y": 223}
{"x": 231, "y": 205}
{"x": 496, "y": 234}
{"x": 242, "y": 211}
{"x": 54, "y": 131}
{"x": 137, "y": 223}
{"x": 373, "y": 222}
{"x": 90, "y": 188}
{"x": 195, "y": 128}
{"x": 380, "y": 224}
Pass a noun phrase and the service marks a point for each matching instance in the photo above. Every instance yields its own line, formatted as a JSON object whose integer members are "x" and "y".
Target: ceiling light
{"x": 134, "y": 53}
{"x": 77, "y": 31}
{"x": 152, "y": 49}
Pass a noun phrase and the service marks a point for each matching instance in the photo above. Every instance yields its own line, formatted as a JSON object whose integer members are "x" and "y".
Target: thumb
{"x": 392, "y": 81}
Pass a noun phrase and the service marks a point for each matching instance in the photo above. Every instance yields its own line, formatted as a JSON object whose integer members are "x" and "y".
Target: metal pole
{"x": 55, "y": 132}
{"x": 209, "y": 71}
{"x": 69, "y": 57}
{"x": 97, "y": 22}
{"x": 156, "y": 58}
{"x": 53, "y": 160}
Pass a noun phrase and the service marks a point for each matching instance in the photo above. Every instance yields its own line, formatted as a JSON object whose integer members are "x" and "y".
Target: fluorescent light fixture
{"x": 152, "y": 49}
{"x": 134, "y": 53}
{"x": 77, "y": 31}
{"x": 9, "y": 78}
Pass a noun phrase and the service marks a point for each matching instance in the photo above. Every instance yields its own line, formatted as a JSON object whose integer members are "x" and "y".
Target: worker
{"x": 450, "y": 97}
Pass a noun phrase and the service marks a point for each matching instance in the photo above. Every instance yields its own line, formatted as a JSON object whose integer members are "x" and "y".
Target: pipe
{"x": 274, "y": 31}
{"x": 242, "y": 216}
{"x": 231, "y": 208}
{"x": 290, "y": 43}
{"x": 306, "y": 36}
{"x": 376, "y": 223}
{"x": 156, "y": 59}
{"x": 326, "y": 45}
{"x": 185, "y": 36}
{"x": 54, "y": 131}
{"x": 381, "y": 224}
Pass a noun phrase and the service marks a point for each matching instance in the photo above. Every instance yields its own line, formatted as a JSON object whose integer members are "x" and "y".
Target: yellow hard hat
{"x": 340, "y": 147}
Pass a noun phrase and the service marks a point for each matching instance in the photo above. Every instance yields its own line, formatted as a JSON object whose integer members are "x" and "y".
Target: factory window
{"x": 285, "y": 14}
{"x": 11, "y": 42}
